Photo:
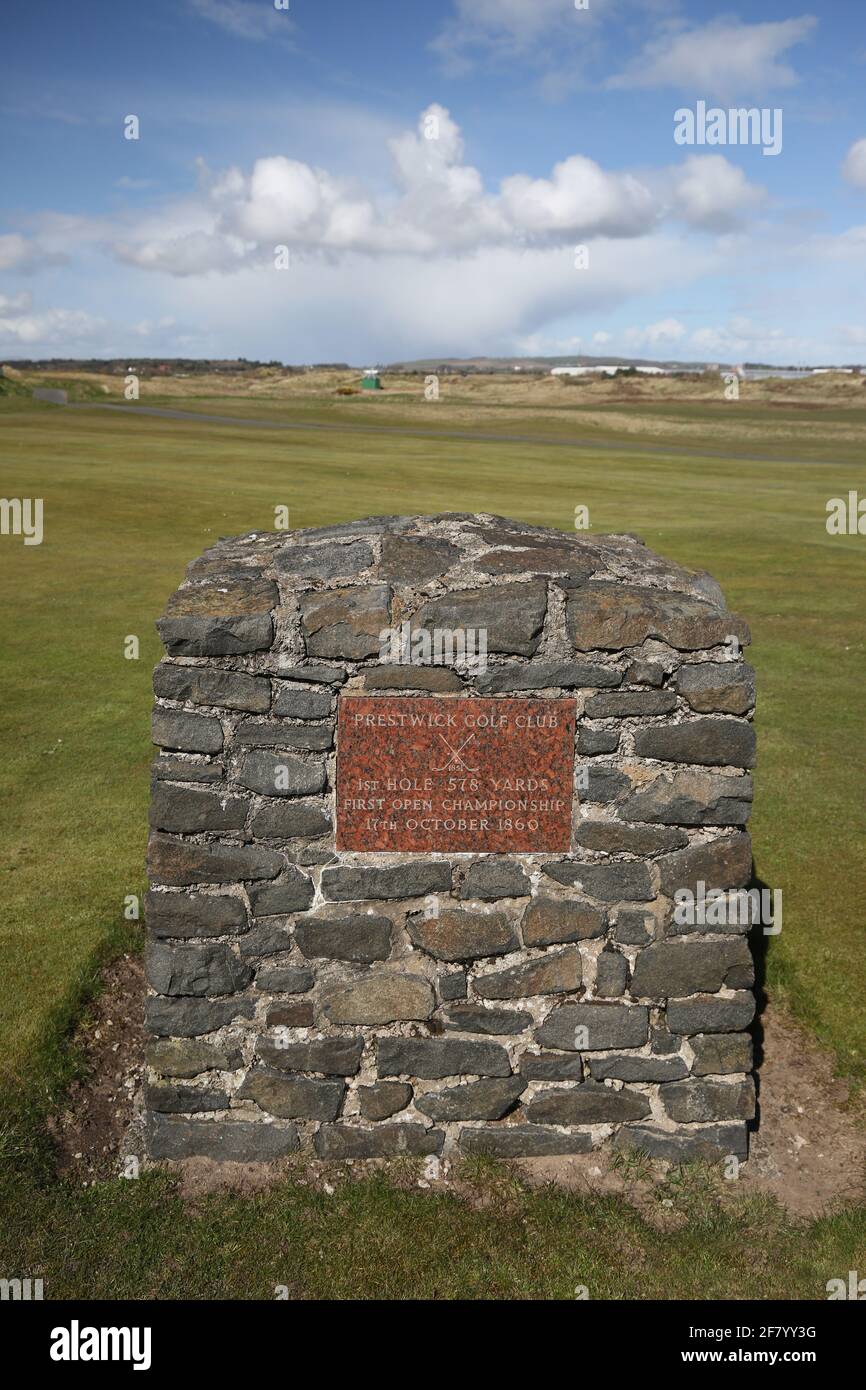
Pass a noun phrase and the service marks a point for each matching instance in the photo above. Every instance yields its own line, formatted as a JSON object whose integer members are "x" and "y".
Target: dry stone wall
{"x": 367, "y": 1004}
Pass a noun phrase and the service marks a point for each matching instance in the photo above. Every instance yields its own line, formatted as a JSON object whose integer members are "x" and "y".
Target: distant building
{"x": 371, "y": 381}
{"x": 605, "y": 370}
{"x": 580, "y": 371}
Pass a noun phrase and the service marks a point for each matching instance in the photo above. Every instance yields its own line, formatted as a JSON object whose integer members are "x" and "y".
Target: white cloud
{"x": 19, "y": 253}
{"x": 507, "y": 29}
{"x": 711, "y": 193}
{"x": 742, "y": 338}
{"x": 849, "y": 245}
{"x": 722, "y": 58}
{"x": 384, "y": 308}
{"x": 437, "y": 207}
{"x": 655, "y": 335}
{"x": 579, "y": 198}
{"x": 245, "y": 19}
{"x": 66, "y": 328}
{"x": 20, "y": 304}
{"x": 188, "y": 253}
{"x": 854, "y": 164}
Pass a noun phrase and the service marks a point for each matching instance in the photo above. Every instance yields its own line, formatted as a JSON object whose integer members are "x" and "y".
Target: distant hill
{"x": 149, "y": 367}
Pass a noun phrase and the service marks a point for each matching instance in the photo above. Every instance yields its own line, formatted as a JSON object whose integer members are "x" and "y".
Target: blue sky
{"x": 430, "y": 169}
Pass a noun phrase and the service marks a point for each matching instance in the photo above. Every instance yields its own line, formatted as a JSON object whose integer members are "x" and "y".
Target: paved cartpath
{"x": 472, "y": 436}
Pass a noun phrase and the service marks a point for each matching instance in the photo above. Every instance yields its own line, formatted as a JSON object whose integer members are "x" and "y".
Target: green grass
{"x": 129, "y": 502}
{"x": 382, "y": 1238}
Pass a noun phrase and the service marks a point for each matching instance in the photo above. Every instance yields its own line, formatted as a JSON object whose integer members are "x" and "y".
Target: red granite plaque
{"x": 453, "y": 774}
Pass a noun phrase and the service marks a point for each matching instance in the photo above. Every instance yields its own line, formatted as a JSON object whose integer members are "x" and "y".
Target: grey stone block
{"x": 610, "y": 882}
{"x": 415, "y": 880}
{"x": 282, "y": 774}
{"x": 383, "y": 1099}
{"x": 721, "y": 1053}
{"x": 590, "y": 1103}
{"x": 718, "y": 687}
{"x": 692, "y": 798}
{"x": 547, "y": 921}
{"x": 522, "y": 1141}
{"x": 285, "y": 979}
{"x": 692, "y": 967}
{"x": 708, "y": 742}
{"x": 722, "y": 863}
{"x": 612, "y": 837}
{"x": 291, "y": 820}
{"x": 325, "y": 560}
{"x": 210, "y": 685}
{"x": 187, "y": 733}
{"x": 236, "y": 1141}
{"x": 338, "y": 1056}
{"x": 459, "y": 934}
{"x": 551, "y": 1066}
{"x": 189, "y": 1018}
{"x": 694, "y": 1102}
{"x": 512, "y": 614}
{"x": 609, "y": 615}
{"x": 183, "y": 1058}
{"x": 625, "y": 704}
{"x": 293, "y": 893}
{"x": 292, "y": 1097}
{"x": 380, "y": 997}
{"x": 179, "y": 863}
{"x": 314, "y": 672}
{"x": 216, "y": 636}
{"x": 293, "y": 703}
{"x": 546, "y": 675}
{"x": 611, "y": 974}
{"x": 488, "y": 879}
{"x": 711, "y": 1013}
{"x": 452, "y": 986}
{"x": 203, "y": 969}
{"x": 345, "y": 623}
{"x": 433, "y": 1058}
{"x": 488, "y": 1099}
{"x": 709, "y": 1142}
{"x": 194, "y": 914}
{"x": 557, "y": 972}
{"x": 607, "y": 1026}
{"x": 474, "y": 1018}
{"x": 385, "y": 1141}
{"x": 359, "y": 937}
{"x": 593, "y": 741}
{"x": 182, "y": 810}
{"x": 630, "y": 1067}
{"x": 184, "y": 1100}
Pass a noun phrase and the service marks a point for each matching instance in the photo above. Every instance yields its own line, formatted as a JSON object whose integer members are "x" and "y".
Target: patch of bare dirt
{"x": 89, "y": 1131}
{"x": 808, "y": 1151}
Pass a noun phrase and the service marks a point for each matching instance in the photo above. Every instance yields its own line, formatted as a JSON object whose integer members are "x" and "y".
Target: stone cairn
{"x": 304, "y": 997}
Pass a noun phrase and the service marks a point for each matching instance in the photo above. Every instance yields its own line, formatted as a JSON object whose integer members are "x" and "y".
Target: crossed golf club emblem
{"x": 455, "y": 759}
